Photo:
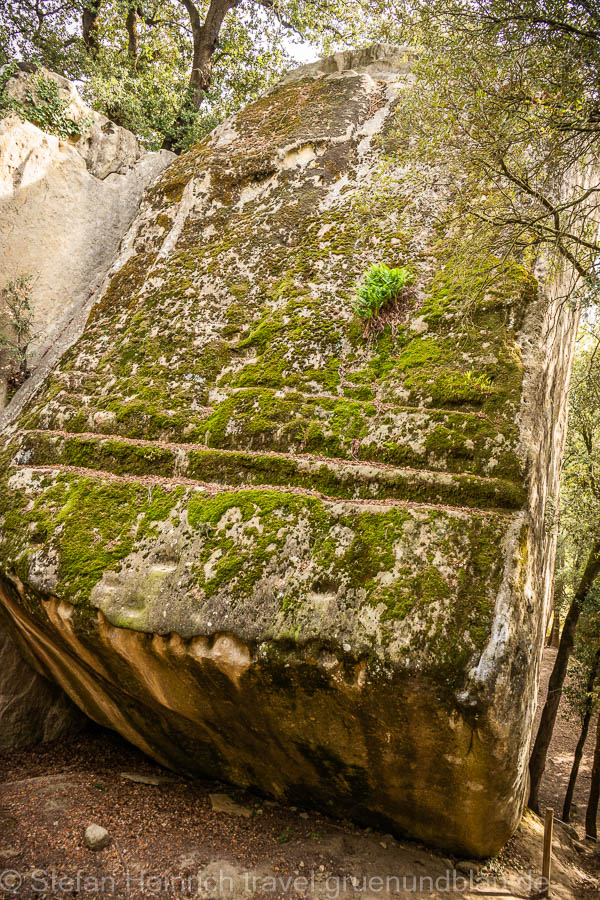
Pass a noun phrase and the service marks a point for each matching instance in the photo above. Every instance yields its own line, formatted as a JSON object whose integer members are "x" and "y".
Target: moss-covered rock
{"x": 265, "y": 543}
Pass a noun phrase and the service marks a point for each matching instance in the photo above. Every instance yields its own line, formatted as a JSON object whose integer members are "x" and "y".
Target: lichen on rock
{"x": 266, "y": 546}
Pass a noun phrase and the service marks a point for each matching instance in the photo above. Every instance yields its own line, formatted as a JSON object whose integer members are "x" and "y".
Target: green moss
{"x": 78, "y": 421}
{"x": 296, "y": 341}
{"x": 466, "y": 387}
{"x": 456, "y": 612}
{"x": 91, "y": 525}
{"x": 239, "y": 289}
{"x": 94, "y": 524}
{"x": 286, "y": 340}
{"x": 415, "y": 588}
{"x": 124, "y": 286}
{"x": 108, "y": 455}
{"x": 159, "y": 507}
{"x": 419, "y": 353}
{"x": 523, "y": 556}
{"x": 245, "y": 468}
{"x": 371, "y": 550}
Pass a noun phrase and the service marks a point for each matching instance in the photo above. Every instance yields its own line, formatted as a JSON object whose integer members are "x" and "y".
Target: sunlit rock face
{"x": 65, "y": 205}
{"x": 268, "y": 547}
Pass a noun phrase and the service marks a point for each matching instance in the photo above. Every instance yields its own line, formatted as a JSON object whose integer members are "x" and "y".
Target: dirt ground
{"x": 560, "y": 758}
{"x": 175, "y": 838}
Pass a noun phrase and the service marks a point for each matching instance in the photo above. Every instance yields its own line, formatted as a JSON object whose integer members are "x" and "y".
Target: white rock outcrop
{"x": 65, "y": 206}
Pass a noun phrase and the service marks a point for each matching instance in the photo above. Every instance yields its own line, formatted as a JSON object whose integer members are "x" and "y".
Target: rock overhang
{"x": 227, "y": 502}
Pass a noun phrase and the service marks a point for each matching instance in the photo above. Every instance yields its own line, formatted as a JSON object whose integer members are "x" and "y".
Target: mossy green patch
{"x": 90, "y": 525}
{"x": 356, "y": 481}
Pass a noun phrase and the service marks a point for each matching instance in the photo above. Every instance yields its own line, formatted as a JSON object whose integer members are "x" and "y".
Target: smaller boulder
{"x": 155, "y": 780}
{"x": 96, "y": 837}
{"x": 470, "y": 867}
{"x": 223, "y": 803}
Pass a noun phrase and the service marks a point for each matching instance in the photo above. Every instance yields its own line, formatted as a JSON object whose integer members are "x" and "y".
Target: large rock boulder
{"x": 268, "y": 547}
{"x": 32, "y": 709}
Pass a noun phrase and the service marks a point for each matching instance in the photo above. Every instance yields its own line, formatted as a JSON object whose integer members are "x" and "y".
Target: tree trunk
{"x": 89, "y": 26}
{"x": 204, "y": 38}
{"x": 537, "y": 763}
{"x": 559, "y": 595}
{"x": 133, "y": 47}
{"x": 555, "y": 633}
{"x": 592, "y": 807}
{"x": 589, "y": 708}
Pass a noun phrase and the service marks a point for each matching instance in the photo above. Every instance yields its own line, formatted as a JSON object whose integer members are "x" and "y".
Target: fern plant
{"x": 380, "y": 287}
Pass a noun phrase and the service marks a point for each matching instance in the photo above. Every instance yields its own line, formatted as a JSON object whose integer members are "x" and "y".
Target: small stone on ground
{"x": 223, "y": 803}
{"x": 96, "y": 837}
{"x": 155, "y": 780}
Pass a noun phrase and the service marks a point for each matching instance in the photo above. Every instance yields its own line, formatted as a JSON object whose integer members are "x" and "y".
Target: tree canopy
{"x": 171, "y": 69}
{"x": 508, "y": 93}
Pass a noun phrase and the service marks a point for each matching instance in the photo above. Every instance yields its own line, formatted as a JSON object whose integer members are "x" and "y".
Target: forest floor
{"x": 174, "y": 838}
{"x": 560, "y": 757}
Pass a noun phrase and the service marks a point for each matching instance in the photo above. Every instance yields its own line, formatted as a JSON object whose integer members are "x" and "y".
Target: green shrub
{"x": 16, "y": 318}
{"x": 380, "y": 288}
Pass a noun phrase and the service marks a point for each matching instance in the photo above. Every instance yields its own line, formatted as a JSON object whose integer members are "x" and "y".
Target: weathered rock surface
{"x": 96, "y": 837}
{"x": 266, "y": 548}
{"x": 65, "y": 205}
{"x": 105, "y": 147}
{"x": 64, "y": 208}
{"x": 32, "y": 709}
